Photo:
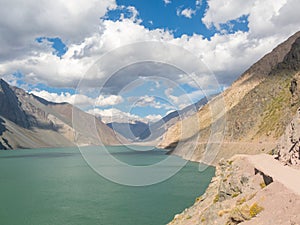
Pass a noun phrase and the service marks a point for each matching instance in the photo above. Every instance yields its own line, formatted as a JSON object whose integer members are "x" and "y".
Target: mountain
{"x": 131, "y": 131}
{"x": 28, "y": 121}
{"x": 157, "y": 129}
{"x": 258, "y": 106}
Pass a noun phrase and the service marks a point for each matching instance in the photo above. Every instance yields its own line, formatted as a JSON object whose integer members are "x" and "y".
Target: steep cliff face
{"x": 27, "y": 121}
{"x": 10, "y": 107}
{"x": 288, "y": 148}
{"x": 257, "y": 109}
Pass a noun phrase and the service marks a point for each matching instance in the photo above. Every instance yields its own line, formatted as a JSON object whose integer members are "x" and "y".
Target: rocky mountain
{"x": 137, "y": 131}
{"x": 250, "y": 115}
{"x": 155, "y": 130}
{"x": 131, "y": 131}
{"x": 27, "y": 121}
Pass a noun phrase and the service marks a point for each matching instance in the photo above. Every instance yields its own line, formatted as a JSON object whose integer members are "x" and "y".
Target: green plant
{"x": 188, "y": 217}
{"x": 262, "y": 185}
{"x": 217, "y": 198}
{"x": 235, "y": 194}
{"x": 241, "y": 201}
{"x": 255, "y": 209}
{"x": 222, "y": 212}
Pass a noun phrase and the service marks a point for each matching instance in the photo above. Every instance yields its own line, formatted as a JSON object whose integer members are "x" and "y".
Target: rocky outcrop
{"x": 288, "y": 148}
{"x": 247, "y": 190}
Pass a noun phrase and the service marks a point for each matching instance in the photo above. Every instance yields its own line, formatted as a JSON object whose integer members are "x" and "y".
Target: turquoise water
{"x": 56, "y": 186}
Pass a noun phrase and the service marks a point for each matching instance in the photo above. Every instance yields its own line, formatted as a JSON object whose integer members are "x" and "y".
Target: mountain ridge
{"x": 28, "y": 121}
{"x": 257, "y": 109}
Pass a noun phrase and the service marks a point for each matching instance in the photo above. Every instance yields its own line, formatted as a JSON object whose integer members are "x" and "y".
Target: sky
{"x": 136, "y": 59}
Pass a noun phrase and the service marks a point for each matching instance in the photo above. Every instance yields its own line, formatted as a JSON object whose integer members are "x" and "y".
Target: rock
{"x": 288, "y": 148}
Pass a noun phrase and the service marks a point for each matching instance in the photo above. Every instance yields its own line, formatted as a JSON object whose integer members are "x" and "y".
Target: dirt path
{"x": 285, "y": 175}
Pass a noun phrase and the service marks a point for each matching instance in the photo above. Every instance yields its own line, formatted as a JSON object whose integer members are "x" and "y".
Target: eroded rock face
{"x": 288, "y": 148}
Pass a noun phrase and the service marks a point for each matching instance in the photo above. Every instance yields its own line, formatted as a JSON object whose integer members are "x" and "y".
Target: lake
{"x": 58, "y": 187}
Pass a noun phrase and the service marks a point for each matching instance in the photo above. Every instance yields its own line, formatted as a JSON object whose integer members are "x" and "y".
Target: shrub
{"x": 241, "y": 201}
{"x": 255, "y": 209}
{"x": 262, "y": 185}
{"x": 217, "y": 198}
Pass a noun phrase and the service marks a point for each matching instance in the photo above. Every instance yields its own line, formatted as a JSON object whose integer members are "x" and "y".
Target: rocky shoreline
{"x": 253, "y": 189}
{"x": 241, "y": 193}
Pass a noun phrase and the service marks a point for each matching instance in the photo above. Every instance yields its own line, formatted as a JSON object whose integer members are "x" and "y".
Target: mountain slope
{"x": 27, "y": 121}
{"x": 258, "y": 107}
{"x": 157, "y": 129}
{"x": 132, "y": 131}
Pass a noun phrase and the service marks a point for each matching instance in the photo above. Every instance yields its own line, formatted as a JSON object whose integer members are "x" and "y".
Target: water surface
{"x": 56, "y": 186}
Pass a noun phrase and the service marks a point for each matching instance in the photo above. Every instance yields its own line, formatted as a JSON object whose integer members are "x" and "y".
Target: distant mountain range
{"x": 138, "y": 131}
{"x": 258, "y": 107}
{"x": 28, "y": 121}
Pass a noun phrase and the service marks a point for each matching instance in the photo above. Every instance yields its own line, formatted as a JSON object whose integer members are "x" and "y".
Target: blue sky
{"x": 154, "y": 15}
{"x": 49, "y": 57}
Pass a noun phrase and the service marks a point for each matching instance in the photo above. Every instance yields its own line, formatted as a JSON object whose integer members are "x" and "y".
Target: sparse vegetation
{"x": 262, "y": 185}
{"x": 234, "y": 195}
{"x": 223, "y": 212}
{"x": 230, "y": 162}
{"x": 217, "y": 198}
{"x": 255, "y": 209}
{"x": 241, "y": 201}
{"x": 198, "y": 199}
{"x": 278, "y": 111}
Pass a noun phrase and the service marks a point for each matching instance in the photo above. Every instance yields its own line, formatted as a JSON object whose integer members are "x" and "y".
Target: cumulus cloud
{"x": 167, "y": 1}
{"x": 188, "y": 12}
{"x": 23, "y": 21}
{"x": 110, "y": 100}
{"x": 116, "y": 115}
{"x": 220, "y": 11}
{"x": 79, "y": 99}
{"x": 266, "y": 18}
{"x": 151, "y": 101}
{"x": 227, "y": 55}
{"x": 198, "y": 3}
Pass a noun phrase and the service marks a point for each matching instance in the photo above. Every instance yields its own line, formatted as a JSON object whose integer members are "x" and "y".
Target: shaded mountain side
{"x": 258, "y": 106}
{"x": 16, "y": 137}
{"x": 131, "y": 131}
{"x": 10, "y": 107}
{"x": 28, "y": 121}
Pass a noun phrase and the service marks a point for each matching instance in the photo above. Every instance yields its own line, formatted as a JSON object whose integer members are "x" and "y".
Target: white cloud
{"x": 188, "y": 12}
{"x": 220, "y": 11}
{"x": 23, "y": 21}
{"x": 174, "y": 99}
{"x": 227, "y": 55}
{"x": 150, "y": 101}
{"x": 198, "y": 3}
{"x": 79, "y": 99}
{"x": 64, "y": 97}
{"x": 167, "y": 1}
{"x": 153, "y": 118}
{"x": 267, "y": 18}
{"x": 109, "y": 100}
{"x": 116, "y": 115}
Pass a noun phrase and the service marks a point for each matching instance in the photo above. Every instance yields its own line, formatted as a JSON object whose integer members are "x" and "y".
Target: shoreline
{"x": 242, "y": 182}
